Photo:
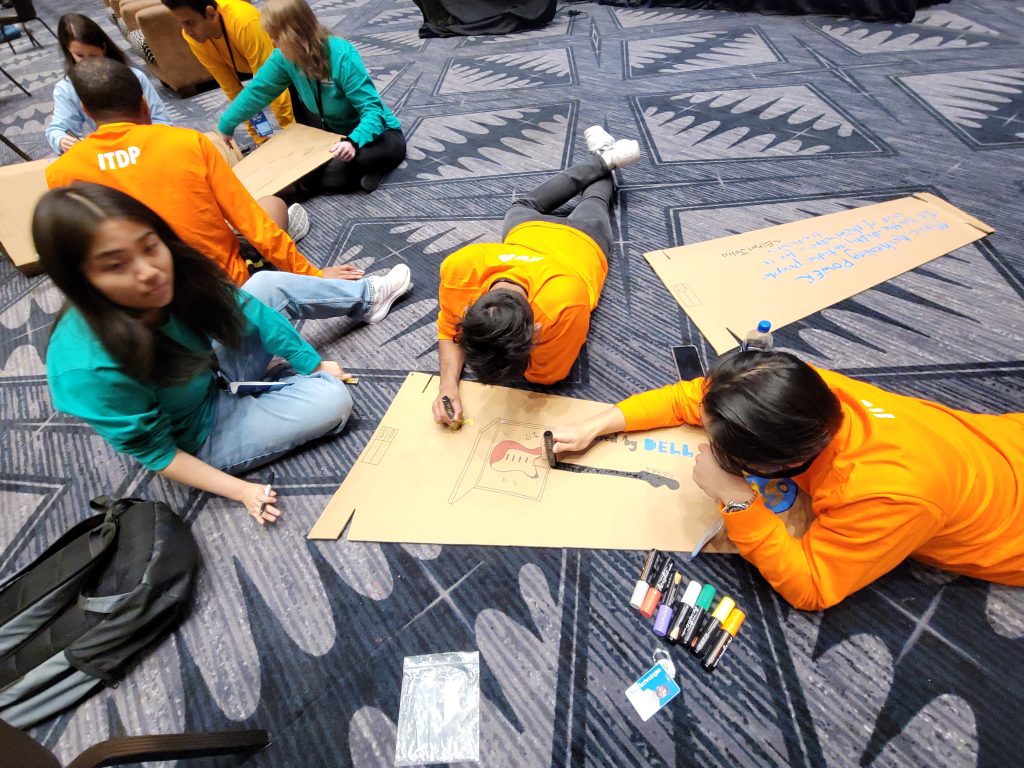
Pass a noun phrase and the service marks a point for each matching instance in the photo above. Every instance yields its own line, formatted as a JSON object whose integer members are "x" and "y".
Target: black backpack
{"x": 72, "y": 620}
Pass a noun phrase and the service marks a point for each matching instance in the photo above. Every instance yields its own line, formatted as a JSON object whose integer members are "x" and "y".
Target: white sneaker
{"x": 622, "y": 152}
{"x": 598, "y": 139}
{"x": 387, "y": 288}
{"x": 298, "y": 222}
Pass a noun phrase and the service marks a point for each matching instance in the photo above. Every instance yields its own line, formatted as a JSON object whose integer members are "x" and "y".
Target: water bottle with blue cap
{"x": 759, "y": 339}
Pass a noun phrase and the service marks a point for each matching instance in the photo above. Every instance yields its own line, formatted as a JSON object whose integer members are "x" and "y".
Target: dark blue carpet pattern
{"x": 745, "y": 121}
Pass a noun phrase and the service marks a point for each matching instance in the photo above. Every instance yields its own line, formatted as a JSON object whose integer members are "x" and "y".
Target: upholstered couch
{"x": 155, "y": 36}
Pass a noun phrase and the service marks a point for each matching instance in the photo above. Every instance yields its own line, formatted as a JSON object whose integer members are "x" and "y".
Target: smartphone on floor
{"x": 688, "y": 362}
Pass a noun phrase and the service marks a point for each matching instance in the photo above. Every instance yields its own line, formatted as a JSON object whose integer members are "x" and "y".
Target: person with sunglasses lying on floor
{"x": 889, "y": 476}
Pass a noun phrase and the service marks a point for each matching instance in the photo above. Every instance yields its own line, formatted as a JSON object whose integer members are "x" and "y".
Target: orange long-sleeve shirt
{"x": 250, "y": 48}
{"x": 180, "y": 174}
{"x": 902, "y": 478}
{"x": 563, "y": 272}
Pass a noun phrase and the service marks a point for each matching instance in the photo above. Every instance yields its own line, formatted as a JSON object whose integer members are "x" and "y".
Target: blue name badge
{"x": 653, "y": 690}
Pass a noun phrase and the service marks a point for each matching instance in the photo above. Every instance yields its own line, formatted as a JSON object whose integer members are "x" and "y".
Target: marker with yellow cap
{"x": 728, "y": 631}
{"x": 697, "y": 614}
{"x": 702, "y": 642}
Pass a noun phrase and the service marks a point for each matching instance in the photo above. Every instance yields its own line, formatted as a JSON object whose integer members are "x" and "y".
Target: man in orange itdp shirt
{"x": 181, "y": 175}
{"x": 522, "y": 307}
{"x": 889, "y": 476}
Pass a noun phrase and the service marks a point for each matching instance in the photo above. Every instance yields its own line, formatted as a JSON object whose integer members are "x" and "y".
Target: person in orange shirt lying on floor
{"x": 889, "y": 476}
{"x": 182, "y": 176}
{"x": 521, "y": 307}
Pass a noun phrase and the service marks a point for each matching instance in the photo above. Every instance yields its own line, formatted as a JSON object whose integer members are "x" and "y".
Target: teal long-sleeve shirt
{"x": 351, "y": 105}
{"x": 143, "y": 420}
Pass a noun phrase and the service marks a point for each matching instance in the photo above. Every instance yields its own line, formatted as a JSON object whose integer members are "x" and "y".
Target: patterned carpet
{"x": 745, "y": 121}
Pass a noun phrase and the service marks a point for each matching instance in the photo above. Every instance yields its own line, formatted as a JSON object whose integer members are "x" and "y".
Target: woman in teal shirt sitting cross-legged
{"x": 334, "y": 93}
{"x": 153, "y": 331}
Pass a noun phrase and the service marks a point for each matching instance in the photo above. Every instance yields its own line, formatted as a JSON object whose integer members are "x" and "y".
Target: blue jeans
{"x": 250, "y": 431}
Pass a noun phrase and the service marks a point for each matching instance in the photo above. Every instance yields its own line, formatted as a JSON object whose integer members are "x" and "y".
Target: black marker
{"x": 549, "y": 448}
{"x": 659, "y": 586}
{"x": 712, "y": 626}
{"x": 697, "y": 614}
{"x": 449, "y": 410}
{"x": 726, "y": 635}
{"x": 682, "y": 611}
{"x": 646, "y": 576}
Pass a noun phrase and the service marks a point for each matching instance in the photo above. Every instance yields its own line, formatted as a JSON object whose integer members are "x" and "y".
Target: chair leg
{"x": 29, "y": 35}
{"x": 47, "y": 27}
{"x": 135, "y": 749}
{"x": 8, "y": 76}
{"x": 14, "y": 147}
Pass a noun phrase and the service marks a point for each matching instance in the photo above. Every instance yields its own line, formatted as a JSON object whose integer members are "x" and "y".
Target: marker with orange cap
{"x": 643, "y": 584}
{"x": 702, "y": 642}
{"x": 726, "y": 634}
{"x": 660, "y": 584}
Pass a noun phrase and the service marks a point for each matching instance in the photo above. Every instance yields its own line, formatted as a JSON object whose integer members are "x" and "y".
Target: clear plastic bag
{"x": 439, "y": 713}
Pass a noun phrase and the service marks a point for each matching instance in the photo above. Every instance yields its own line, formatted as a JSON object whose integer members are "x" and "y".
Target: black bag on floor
{"x": 72, "y": 620}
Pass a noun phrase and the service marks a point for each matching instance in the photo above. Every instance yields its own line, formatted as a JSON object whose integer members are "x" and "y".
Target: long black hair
{"x": 767, "y": 409}
{"x": 205, "y": 301}
{"x": 75, "y": 26}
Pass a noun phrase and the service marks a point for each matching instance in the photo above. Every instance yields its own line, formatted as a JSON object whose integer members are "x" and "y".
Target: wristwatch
{"x": 737, "y": 506}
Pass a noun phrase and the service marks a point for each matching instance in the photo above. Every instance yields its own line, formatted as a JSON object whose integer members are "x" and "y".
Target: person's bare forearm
{"x": 187, "y": 469}
{"x": 451, "y": 360}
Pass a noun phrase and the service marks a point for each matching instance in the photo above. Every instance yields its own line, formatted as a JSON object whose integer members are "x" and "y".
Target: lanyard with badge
{"x": 259, "y": 121}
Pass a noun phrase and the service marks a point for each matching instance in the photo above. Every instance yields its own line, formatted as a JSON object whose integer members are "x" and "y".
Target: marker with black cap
{"x": 643, "y": 584}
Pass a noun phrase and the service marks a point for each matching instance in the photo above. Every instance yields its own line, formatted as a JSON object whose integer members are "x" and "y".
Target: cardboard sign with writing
{"x": 416, "y": 482}
{"x": 789, "y": 271}
{"x": 21, "y": 186}
{"x": 284, "y": 158}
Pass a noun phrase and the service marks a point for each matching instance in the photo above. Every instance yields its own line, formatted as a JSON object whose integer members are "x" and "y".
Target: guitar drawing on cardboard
{"x": 508, "y": 457}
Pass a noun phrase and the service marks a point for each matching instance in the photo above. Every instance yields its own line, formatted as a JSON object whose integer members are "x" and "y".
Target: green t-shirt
{"x": 351, "y": 104}
{"x": 147, "y": 421}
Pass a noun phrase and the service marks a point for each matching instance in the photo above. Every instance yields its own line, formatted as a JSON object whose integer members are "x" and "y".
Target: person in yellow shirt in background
{"x": 889, "y": 476}
{"x": 521, "y": 307}
{"x": 229, "y": 41}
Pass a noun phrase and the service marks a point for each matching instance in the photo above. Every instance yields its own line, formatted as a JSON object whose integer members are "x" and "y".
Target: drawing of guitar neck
{"x": 508, "y": 457}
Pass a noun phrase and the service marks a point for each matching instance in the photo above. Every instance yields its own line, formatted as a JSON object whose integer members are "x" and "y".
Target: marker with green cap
{"x": 693, "y": 621}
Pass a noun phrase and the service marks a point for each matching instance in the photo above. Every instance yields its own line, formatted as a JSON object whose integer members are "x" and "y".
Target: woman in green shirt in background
{"x": 153, "y": 331}
{"x": 334, "y": 93}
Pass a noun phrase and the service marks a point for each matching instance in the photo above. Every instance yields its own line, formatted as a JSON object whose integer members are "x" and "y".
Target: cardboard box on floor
{"x": 416, "y": 482}
{"x": 286, "y": 157}
{"x": 789, "y": 271}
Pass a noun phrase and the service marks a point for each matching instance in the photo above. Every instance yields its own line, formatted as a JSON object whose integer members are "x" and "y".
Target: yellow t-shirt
{"x": 250, "y": 46}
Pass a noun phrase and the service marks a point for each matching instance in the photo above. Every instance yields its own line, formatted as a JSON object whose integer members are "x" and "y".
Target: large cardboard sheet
{"x": 789, "y": 271}
{"x": 21, "y": 186}
{"x": 284, "y": 158}
{"x": 416, "y": 482}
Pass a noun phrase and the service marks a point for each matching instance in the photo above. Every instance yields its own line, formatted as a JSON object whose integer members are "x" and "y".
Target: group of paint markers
{"x": 684, "y": 615}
